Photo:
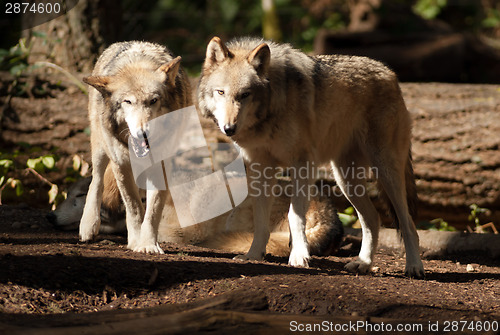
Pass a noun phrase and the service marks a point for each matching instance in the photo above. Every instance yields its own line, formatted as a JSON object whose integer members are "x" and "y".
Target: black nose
{"x": 230, "y": 129}
{"x": 52, "y": 218}
{"x": 143, "y": 133}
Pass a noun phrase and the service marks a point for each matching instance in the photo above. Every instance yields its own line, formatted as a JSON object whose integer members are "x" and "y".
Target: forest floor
{"x": 45, "y": 272}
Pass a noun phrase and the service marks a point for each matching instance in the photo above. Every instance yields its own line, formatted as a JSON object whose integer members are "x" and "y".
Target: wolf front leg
{"x": 91, "y": 218}
{"x": 260, "y": 189}
{"x": 132, "y": 200}
{"x": 148, "y": 241}
{"x": 299, "y": 204}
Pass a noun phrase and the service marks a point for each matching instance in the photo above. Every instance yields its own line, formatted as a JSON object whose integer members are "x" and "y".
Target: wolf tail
{"x": 411, "y": 193}
{"x": 324, "y": 229}
{"x": 324, "y": 233}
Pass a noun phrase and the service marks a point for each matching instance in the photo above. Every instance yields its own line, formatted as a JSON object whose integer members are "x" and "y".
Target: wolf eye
{"x": 128, "y": 102}
{"x": 245, "y": 95}
{"x": 220, "y": 92}
{"x": 153, "y": 101}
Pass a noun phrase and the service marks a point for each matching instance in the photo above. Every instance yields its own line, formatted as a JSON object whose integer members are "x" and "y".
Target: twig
{"x": 1, "y": 190}
{"x": 487, "y": 225}
{"x": 73, "y": 79}
{"x": 40, "y": 176}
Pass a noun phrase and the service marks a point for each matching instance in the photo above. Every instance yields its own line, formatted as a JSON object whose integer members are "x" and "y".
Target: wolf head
{"x": 138, "y": 94}
{"x": 68, "y": 214}
{"x": 233, "y": 85}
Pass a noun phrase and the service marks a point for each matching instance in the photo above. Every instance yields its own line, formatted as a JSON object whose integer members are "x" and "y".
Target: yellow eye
{"x": 127, "y": 102}
{"x": 153, "y": 101}
{"x": 220, "y": 92}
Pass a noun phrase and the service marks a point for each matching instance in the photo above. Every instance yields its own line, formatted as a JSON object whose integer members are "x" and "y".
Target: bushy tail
{"x": 111, "y": 198}
{"x": 324, "y": 233}
{"x": 411, "y": 194}
{"x": 324, "y": 229}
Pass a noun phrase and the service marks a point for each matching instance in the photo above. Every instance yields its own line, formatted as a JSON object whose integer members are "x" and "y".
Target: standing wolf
{"x": 133, "y": 83}
{"x": 284, "y": 108}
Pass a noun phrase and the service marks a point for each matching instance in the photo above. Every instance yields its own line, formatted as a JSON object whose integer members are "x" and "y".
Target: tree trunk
{"x": 270, "y": 22}
{"x": 75, "y": 40}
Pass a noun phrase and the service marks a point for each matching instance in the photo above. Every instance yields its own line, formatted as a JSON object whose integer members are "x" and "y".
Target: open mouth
{"x": 140, "y": 146}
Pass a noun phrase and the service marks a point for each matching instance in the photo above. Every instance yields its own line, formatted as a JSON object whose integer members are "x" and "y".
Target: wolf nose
{"x": 142, "y": 133}
{"x": 52, "y": 218}
{"x": 230, "y": 129}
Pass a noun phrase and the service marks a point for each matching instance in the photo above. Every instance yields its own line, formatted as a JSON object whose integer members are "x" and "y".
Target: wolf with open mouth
{"x": 132, "y": 83}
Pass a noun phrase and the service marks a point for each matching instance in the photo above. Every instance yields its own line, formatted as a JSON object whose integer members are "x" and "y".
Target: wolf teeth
{"x": 141, "y": 147}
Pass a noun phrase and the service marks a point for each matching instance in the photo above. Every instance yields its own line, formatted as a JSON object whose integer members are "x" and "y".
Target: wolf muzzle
{"x": 140, "y": 144}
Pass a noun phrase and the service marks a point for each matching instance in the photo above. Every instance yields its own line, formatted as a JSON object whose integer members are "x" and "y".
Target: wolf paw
{"x": 358, "y": 266}
{"x": 249, "y": 257}
{"x": 149, "y": 249}
{"x": 299, "y": 259}
{"x": 88, "y": 232}
{"x": 415, "y": 270}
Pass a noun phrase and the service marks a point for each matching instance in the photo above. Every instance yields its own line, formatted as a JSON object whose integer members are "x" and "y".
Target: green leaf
{"x": 16, "y": 185}
{"x": 24, "y": 145}
{"x": 6, "y": 163}
{"x": 39, "y": 34}
{"x": 17, "y": 70}
{"x": 429, "y": 9}
{"x": 349, "y": 210}
{"x": 31, "y": 163}
{"x": 347, "y": 220}
{"x": 36, "y": 164}
{"x": 77, "y": 162}
{"x": 3, "y": 54}
{"x": 53, "y": 192}
{"x": 19, "y": 188}
{"x": 49, "y": 162}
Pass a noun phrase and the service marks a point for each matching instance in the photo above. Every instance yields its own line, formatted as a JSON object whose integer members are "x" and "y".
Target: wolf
{"x": 230, "y": 232}
{"x": 68, "y": 214}
{"x": 285, "y": 108}
{"x": 132, "y": 83}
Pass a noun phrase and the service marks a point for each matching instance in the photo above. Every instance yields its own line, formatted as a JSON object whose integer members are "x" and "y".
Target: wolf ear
{"x": 100, "y": 83}
{"x": 216, "y": 52}
{"x": 171, "y": 69}
{"x": 260, "y": 58}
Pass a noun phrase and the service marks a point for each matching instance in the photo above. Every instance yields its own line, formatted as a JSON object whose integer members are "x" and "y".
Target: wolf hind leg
{"x": 392, "y": 179}
{"x": 353, "y": 186}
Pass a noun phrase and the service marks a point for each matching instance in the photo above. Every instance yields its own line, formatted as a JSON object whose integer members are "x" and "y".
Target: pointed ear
{"x": 100, "y": 83}
{"x": 171, "y": 69}
{"x": 259, "y": 58}
{"x": 216, "y": 52}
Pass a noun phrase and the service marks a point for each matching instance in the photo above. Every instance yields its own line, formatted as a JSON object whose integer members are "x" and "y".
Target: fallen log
{"x": 439, "y": 243}
{"x": 238, "y": 311}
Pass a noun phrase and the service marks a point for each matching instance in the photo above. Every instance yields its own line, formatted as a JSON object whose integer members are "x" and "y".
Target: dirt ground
{"x": 45, "y": 271}
{"x": 48, "y": 271}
